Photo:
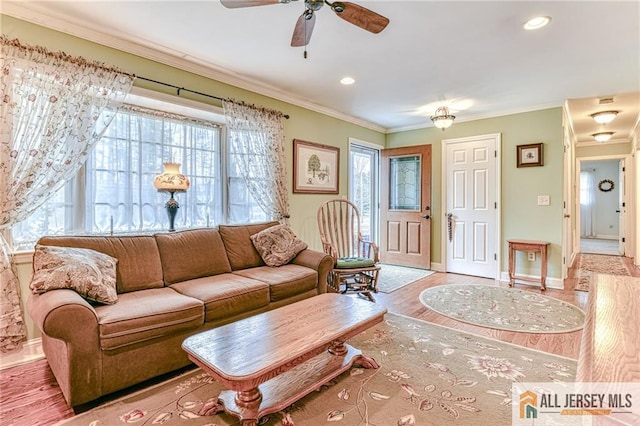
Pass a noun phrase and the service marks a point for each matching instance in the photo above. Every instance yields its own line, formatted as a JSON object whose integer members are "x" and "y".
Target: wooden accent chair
{"x": 354, "y": 268}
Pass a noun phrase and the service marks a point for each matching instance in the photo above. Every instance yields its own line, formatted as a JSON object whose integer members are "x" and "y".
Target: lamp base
{"x": 172, "y": 209}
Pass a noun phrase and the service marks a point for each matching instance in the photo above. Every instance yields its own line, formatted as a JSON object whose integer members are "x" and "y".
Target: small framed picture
{"x": 530, "y": 155}
{"x": 316, "y": 168}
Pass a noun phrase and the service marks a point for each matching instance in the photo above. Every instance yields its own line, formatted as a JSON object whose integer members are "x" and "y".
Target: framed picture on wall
{"x": 316, "y": 168}
{"x": 530, "y": 155}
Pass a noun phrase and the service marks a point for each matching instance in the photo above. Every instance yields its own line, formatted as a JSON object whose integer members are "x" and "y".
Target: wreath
{"x": 605, "y": 185}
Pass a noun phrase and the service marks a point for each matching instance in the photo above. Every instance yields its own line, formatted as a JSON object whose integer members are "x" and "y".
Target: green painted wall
{"x": 603, "y": 149}
{"x": 522, "y": 218}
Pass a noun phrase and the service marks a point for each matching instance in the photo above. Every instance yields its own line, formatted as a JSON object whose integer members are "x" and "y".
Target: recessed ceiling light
{"x": 604, "y": 117}
{"x": 537, "y": 22}
{"x": 347, "y": 80}
{"x": 602, "y": 136}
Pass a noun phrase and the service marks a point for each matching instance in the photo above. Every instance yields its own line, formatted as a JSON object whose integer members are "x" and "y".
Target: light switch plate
{"x": 543, "y": 200}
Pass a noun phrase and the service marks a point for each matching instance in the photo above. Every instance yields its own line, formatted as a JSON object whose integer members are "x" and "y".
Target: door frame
{"x": 629, "y": 206}
{"x": 498, "y": 196}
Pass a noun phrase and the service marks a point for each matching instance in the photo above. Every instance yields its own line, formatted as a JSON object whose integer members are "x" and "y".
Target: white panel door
{"x": 471, "y": 205}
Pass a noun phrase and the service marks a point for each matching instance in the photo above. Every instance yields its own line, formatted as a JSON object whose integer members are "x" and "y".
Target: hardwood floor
{"x": 30, "y": 396}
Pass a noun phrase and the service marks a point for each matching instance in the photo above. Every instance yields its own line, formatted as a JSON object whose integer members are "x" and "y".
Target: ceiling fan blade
{"x": 304, "y": 28}
{"x": 360, "y": 16}
{"x": 233, "y": 4}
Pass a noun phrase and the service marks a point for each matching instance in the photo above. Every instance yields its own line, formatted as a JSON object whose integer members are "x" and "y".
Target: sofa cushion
{"x": 277, "y": 245}
{"x": 138, "y": 266}
{"x": 190, "y": 254}
{"x": 284, "y": 281}
{"x": 147, "y": 314}
{"x": 90, "y": 273}
{"x": 226, "y": 295}
{"x": 237, "y": 241}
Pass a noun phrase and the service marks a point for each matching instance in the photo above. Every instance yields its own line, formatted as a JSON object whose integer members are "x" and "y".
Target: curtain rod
{"x": 182, "y": 89}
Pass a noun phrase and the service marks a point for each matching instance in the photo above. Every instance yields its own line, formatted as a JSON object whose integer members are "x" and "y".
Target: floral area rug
{"x": 503, "y": 308}
{"x": 393, "y": 277}
{"x": 428, "y": 375}
{"x": 588, "y": 264}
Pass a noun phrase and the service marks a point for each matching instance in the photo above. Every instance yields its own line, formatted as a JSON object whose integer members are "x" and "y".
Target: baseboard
{"x": 437, "y": 267}
{"x": 31, "y": 350}
{"x": 555, "y": 283}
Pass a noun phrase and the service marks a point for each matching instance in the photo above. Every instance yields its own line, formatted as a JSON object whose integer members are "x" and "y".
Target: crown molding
{"x": 33, "y": 13}
{"x": 596, "y": 143}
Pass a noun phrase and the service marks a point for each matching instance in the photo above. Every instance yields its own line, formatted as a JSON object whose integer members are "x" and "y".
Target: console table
{"x": 529, "y": 247}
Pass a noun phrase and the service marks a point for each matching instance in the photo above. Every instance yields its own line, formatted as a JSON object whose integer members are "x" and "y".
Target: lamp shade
{"x": 171, "y": 180}
{"x": 442, "y": 119}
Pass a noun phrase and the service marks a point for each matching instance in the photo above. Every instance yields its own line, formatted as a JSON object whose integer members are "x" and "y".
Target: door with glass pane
{"x": 405, "y": 206}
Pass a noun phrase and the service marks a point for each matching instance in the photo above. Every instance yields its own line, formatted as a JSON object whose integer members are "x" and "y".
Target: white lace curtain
{"x": 256, "y": 136}
{"x": 54, "y": 109}
{"x": 587, "y": 203}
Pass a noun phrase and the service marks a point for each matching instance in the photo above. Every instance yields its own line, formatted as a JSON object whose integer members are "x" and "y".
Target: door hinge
{"x": 495, "y": 256}
{"x": 495, "y": 154}
{"x": 623, "y": 169}
{"x": 623, "y": 239}
{"x": 564, "y": 204}
{"x": 495, "y": 205}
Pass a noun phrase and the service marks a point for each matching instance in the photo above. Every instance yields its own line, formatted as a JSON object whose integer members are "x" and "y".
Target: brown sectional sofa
{"x": 170, "y": 286}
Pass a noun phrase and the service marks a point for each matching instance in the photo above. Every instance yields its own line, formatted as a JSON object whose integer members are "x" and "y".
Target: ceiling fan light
{"x": 347, "y": 81}
{"x": 442, "y": 119}
{"x": 602, "y": 136}
{"x": 604, "y": 117}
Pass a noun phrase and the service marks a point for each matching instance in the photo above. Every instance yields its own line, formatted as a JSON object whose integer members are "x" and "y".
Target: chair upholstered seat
{"x": 354, "y": 262}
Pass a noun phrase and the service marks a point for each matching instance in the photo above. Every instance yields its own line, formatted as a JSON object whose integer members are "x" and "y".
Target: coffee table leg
{"x": 249, "y": 398}
{"x": 338, "y": 348}
{"x": 211, "y": 407}
{"x": 365, "y": 362}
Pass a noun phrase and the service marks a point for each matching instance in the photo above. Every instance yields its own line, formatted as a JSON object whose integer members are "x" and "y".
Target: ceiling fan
{"x": 350, "y": 12}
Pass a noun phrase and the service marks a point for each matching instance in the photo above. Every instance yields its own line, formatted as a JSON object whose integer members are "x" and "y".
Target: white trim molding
{"x": 31, "y": 351}
{"x": 555, "y": 283}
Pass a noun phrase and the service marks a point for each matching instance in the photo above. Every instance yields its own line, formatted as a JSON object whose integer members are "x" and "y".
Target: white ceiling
{"x": 473, "y": 56}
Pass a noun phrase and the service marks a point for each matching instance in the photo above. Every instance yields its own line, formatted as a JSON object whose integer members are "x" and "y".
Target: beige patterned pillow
{"x": 90, "y": 273}
{"x": 277, "y": 245}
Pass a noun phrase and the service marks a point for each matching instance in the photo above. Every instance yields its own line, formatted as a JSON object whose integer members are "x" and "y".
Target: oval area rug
{"x": 503, "y": 308}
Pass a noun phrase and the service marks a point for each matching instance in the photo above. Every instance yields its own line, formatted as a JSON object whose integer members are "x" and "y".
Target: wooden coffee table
{"x": 269, "y": 361}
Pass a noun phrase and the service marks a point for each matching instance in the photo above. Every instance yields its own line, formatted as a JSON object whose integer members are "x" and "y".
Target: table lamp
{"x": 171, "y": 181}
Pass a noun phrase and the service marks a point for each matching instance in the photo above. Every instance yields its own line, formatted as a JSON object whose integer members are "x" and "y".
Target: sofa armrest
{"x": 316, "y": 260}
{"x": 71, "y": 342}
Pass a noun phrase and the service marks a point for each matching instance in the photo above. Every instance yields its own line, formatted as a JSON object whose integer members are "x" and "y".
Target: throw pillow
{"x": 90, "y": 273}
{"x": 277, "y": 245}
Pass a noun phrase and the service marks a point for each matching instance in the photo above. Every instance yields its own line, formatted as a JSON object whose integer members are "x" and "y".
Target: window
{"x": 363, "y": 187}
{"x": 114, "y": 193}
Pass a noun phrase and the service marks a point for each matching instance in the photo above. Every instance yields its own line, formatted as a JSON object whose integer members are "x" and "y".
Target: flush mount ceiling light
{"x": 602, "y": 136}
{"x": 442, "y": 119}
{"x": 604, "y": 117}
{"x": 347, "y": 81}
{"x": 537, "y": 22}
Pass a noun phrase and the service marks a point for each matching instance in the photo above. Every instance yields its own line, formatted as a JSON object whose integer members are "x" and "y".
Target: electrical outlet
{"x": 531, "y": 257}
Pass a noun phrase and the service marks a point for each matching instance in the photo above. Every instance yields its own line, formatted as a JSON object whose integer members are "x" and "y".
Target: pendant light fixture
{"x": 442, "y": 118}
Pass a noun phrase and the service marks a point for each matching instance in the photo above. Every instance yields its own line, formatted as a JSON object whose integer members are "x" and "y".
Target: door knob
{"x": 426, "y": 216}
{"x": 566, "y": 216}
{"x": 427, "y": 208}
